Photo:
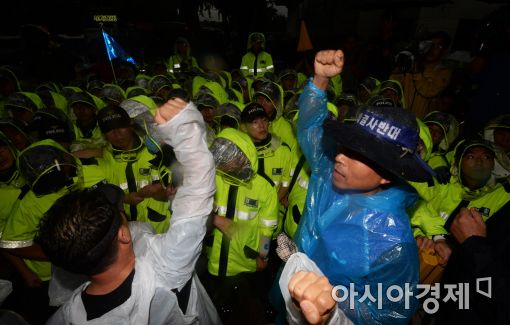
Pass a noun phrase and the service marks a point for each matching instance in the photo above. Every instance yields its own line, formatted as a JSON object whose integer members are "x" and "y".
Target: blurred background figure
{"x": 256, "y": 61}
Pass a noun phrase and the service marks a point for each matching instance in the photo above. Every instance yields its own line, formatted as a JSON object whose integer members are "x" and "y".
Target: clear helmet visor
{"x": 231, "y": 161}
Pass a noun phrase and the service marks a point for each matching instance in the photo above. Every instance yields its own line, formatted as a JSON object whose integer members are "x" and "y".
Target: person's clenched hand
{"x": 313, "y": 294}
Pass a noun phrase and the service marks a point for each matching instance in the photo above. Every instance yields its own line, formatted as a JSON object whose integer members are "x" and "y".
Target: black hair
{"x": 79, "y": 231}
{"x": 228, "y": 121}
{"x": 179, "y": 93}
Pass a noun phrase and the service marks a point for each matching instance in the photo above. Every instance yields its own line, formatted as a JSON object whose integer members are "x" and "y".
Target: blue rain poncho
{"x": 355, "y": 238}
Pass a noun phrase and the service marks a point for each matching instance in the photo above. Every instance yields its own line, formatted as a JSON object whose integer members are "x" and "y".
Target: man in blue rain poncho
{"x": 355, "y": 229}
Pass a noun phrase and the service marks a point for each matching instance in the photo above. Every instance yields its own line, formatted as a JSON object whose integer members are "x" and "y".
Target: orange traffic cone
{"x": 304, "y": 43}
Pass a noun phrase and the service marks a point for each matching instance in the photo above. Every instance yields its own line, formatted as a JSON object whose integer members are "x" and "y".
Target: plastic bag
{"x": 300, "y": 262}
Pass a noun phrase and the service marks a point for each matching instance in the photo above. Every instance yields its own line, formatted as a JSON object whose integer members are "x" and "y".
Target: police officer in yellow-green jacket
{"x": 22, "y": 105}
{"x": 472, "y": 185}
{"x": 182, "y": 60}
{"x": 253, "y": 216}
{"x": 274, "y": 155}
{"x": 127, "y": 162}
{"x": 83, "y": 107}
{"x": 244, "y": 219}
{"x": 270, "y": 96}
{"x": 256, "y": 61}
{"x": 497, "y": 131}
{"x": 444, "y": 130}
{"x": 50, "y": 172}
{"x": 11, "y": 188}
{"x": 298, "y": 189}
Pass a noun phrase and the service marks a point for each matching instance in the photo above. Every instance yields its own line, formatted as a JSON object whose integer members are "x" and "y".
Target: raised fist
{"x": 329, "y": 63}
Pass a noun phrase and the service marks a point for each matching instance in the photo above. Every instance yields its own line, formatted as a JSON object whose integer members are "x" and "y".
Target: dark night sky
{"x": 146, "y": 29}
{"x": 74, "y": 15}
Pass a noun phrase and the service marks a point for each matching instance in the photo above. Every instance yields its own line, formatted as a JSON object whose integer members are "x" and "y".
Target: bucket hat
{"x": 386, "y": 136}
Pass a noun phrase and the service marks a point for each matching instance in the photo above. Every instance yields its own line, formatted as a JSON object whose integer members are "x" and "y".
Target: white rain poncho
{"x": 167, "y": 261}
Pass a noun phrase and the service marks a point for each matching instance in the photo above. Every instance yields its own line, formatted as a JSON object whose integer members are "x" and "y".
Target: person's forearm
{"x": 161, "y": 194}
{"x": 312, "y": 113}
{"x": 31, "y": 279}
{"x": 321, "y": 82}
{"x": 16, "y": 261}
{"x": 33, "y": 252}
{"x": 180, "y": 247}
{"x": 223, "y": 224}
{"x": 282, "y": 193}
{"x": 184, "y": 134}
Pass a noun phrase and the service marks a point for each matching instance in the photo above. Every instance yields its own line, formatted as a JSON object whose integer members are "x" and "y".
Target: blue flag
{"x": 115, "y": 51}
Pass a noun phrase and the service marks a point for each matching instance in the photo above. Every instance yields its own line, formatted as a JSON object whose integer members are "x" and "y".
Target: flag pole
{"x": 108, "y": 53}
